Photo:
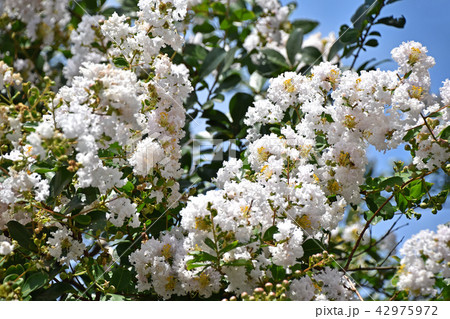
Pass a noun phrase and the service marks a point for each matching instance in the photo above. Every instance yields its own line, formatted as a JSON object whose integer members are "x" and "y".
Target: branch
{"x": 376, "y": 213}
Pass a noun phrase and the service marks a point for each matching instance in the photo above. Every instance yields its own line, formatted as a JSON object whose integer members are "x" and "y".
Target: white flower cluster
{"x": 300, "y": 180}
{"x": 6, "y": 247}
{"x": 268, "y": 32}
{"x": 42, "y": 17}
{"x": 328, "y": 284}
{"x": 64, "y": 247}
{"x": 426, "y": 257}
{"x": 104, "y": 106}
{"x": 81, "y": 48}
{"x": 122, "y": 209}
{"x": 161, "y": 265}
{"x": 7, "y": 77}
{"x": 153, "y": 30}
{"x": 15, "y": 189}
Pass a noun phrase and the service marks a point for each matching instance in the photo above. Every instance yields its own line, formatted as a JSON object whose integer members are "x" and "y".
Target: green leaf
{"x": 42, "y": 167}
{"x": 391, "y": 21}
{"x": 311, "y": 56}
{"x": 202, "y": 256}
{"x": 53, "y": 292}
{"x": 294, "y": 44}
{"x": 122, "y": 279}
{"x": 445, "y": 133}
{"x": 372, "y": 43}
{"x": 229, "y": 59}
{"x": 239, "y": 105}
{"x": 206, "y": 27}
{"x": 391, "y": 181}
{"x": 121, "y": 62}
{"x": 191, "y": 266}
{"x": 411, "y": 133}
{"x": 416, "y": 190}
{"x": 349, "y": 36}
{"x": 275, "y": 57}
{"x": 22, "y": 235}
{"x": 212, "y": 61}
{"x": 35, "y": 281}
{"x": 61, "y": 179}
{"x": 210, "y": 243}
{"x": 311, "y": 247}
{"x": 75, "y": 204}
{"x": 243, "y": 14}
{"x": 229, "y": 82}
{"x": 83, "y": 219}
{"x": 229, "y": 247}
{"x": 305, "y": 25}
{"x": 278, "y": 272}
{"x": 402, "y": 202}
{"x": 360, "y": 15}
{"x": 268, "y": 234}
{"x": 335, "y": 48}
{"x": 238, "y": 263}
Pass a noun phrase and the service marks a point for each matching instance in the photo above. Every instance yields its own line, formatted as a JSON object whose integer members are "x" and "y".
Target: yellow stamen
{"x": 414, "y": 56}
{"x": 303, "y": 221}
{"x": 288, "y": 86}
{"x": 416, "y": 92}
{"x": 171, "y": 281}
{"x": 350, "y": 121}
{"x": 263, "y": 154}
{"x": 165, "y": 251}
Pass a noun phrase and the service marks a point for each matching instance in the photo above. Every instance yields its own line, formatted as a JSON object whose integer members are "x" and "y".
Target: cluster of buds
{"x": 270, "y": 292}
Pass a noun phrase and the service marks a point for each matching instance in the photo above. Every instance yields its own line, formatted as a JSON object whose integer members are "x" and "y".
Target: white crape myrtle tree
{"x": 103, "y": 195}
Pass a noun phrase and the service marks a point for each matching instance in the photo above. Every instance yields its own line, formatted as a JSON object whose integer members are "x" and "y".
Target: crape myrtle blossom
{"x": 426, "y": 257}
{"x": 43, "y": 18}
{"x": 298, "y": 182}
{"x": 64, "y": 247}
{"x": 103, "y": 106}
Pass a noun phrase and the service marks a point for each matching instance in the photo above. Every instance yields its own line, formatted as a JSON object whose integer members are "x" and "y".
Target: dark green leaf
{"x": 311, "y": 247}
{"x": 294, "y": 44}
{"x": 51, "y": 294}
{"x": 83, "y": 219}
{"x": 35, "y": 281}
{"x": 391, "y": 21}
{"x": 229, "y": 247}
{"x": 278, "y": 272}
{"x": 206, "y": 27}
{"x": 275, "y": 57}
{"x": 229, "y": 59}
{"x": 268, "y": 234}
{"x": 22, "y": 235}
{"x": 305, "y": 25}
{"x": 229, "y": 82}
{"x": 311, "y": 56}
{"x": 445, "y": 133}
{"x": 121, "y": 62}
{"x": 122, "y": 279}
{"x": 42, "y": 167}
{"x": 372, "y": 43}
{"x": 239, "y": 105}
{"x": 212, "y": 61}
{"x": 349, "y": 36}
{"x": 61, "y": 179}
{"x": 335, "y": 48}
{"x": 210, "y": 243}
{"x": 391, "y": 181}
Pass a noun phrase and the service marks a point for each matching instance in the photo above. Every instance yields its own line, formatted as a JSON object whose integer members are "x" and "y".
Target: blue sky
{"x": 426, "y": 22}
